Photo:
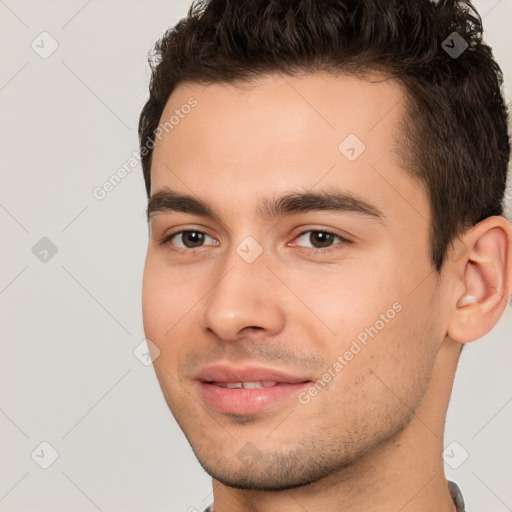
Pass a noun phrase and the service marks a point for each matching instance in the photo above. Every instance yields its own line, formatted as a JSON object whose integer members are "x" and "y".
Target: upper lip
{"x": 225, "y": 373}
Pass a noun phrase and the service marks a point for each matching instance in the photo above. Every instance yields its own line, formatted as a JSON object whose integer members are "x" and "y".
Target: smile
{"x": 232, "y": 389}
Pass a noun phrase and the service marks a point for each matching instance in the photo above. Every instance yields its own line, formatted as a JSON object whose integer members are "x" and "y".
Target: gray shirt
{"x": 454, "y": 491}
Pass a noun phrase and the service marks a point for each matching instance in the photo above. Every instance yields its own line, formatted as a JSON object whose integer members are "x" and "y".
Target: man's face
{"x": 337, "y": 313}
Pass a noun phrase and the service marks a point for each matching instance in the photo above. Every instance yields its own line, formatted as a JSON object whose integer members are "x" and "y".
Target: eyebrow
{"x": 331, "y": 200}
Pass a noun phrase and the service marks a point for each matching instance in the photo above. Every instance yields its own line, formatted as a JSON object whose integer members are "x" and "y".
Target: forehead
{"x": 282, "y": 133}
{"x": 290, "y": 115}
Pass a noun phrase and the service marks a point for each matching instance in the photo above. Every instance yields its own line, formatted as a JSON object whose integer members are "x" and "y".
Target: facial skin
{"x": 372, "y": 438}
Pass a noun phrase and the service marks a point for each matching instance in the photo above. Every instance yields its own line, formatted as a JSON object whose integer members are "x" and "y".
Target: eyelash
{"x": 167, "y": 239}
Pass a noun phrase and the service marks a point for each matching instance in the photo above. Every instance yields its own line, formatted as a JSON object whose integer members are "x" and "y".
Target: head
{"x": 326, "y": 186}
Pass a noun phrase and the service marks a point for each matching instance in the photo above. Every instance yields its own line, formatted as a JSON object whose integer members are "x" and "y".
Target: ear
{"x": 483, "y": 279}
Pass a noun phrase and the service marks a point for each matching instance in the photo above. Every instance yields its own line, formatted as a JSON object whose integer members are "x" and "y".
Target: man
{"x": 325, "y": 184}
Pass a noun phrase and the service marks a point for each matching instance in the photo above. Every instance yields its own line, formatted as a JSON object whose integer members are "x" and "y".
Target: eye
{"x": 188, "y": 239}
{"x": 319, "y": 239}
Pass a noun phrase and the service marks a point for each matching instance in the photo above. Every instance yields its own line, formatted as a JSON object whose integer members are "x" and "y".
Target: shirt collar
{"x": 454, "y": 491}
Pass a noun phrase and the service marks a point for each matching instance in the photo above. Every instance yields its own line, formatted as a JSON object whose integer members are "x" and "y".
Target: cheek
{"x": 382, "y": 333}
{"x": 347, "y": 301}
{"x": 379, "y": 382}
{"x": 154, "y": 300}
{"x": 403, "y": 354}
{"x": 169, "y": 294}
{"x": 165, "y": 310}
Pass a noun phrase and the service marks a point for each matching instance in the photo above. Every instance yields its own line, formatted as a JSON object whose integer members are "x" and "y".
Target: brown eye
{"x": 189, "y": 239}
{"x": 318, "y": 239}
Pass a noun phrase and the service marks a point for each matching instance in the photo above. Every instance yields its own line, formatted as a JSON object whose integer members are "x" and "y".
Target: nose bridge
{"x": 242, "y": 295}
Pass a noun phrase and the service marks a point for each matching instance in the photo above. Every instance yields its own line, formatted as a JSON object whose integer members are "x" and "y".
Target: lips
{"x": 224, "y": 373}
{"x": 247, "y": 390}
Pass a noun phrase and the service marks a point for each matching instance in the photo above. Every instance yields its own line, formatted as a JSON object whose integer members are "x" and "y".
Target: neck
{"x": 404, "y": 474}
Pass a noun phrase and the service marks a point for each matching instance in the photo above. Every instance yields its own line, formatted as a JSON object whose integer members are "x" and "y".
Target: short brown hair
{"x": 454, "y": 139}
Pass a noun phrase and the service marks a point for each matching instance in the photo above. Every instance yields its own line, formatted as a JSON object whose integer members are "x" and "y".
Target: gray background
{"x": 70, "y": 324}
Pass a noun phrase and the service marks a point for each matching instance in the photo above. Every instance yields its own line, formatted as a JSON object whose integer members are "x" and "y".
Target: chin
{"x": 274, "y": 472}
{"x": 258, "y": 482}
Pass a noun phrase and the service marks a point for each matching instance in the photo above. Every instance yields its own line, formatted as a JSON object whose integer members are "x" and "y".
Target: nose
{"x": 244, "y": 296}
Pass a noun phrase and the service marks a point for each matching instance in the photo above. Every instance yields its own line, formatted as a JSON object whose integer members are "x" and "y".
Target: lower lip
{"x": 248, "y": 401}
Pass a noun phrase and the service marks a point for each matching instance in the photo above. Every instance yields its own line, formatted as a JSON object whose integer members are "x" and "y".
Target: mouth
{"x": 234, "y": 390}
{"x": 246, "y": 385}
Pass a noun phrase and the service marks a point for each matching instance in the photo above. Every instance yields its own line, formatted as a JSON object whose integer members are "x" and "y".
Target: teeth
{"x": 246, "y": 385}
{"x": 252, "y": 385}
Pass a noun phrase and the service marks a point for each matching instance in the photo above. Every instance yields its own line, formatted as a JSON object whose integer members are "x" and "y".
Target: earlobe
{"x": 485, "y": 278}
